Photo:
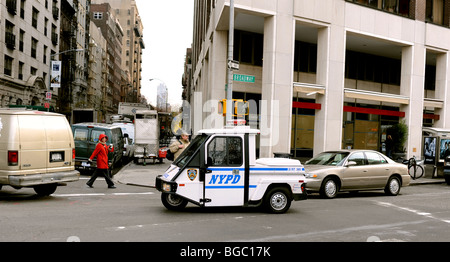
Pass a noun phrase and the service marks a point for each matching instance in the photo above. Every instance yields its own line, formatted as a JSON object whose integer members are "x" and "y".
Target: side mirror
{"x": 351, "y": 163}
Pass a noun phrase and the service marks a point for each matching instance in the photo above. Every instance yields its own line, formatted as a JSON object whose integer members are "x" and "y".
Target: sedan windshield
{"x": 328, "y": 159}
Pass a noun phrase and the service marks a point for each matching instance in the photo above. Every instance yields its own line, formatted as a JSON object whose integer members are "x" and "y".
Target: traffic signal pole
{"x": 229, "y": 89}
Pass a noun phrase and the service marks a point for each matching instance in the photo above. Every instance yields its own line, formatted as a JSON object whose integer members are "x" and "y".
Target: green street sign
{"x": 244, "y": 78}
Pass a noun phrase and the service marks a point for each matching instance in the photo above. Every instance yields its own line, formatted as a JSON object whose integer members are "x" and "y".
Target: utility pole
{"x": 229, "y": 117}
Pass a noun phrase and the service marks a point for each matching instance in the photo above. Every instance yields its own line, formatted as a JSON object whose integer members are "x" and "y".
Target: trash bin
{"x": 282, "y": 155}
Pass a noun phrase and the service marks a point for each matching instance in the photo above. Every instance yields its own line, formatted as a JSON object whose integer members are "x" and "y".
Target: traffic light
{"x": 222, "y": 107}
{"x": 240, "y": 107}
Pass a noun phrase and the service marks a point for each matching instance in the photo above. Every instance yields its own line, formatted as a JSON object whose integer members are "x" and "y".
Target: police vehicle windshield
{"x": 193, "y": 147}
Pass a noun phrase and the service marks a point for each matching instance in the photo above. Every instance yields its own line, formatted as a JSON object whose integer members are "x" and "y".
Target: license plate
{"x": 56, "y": 156}
{"x": 85, "y": 164}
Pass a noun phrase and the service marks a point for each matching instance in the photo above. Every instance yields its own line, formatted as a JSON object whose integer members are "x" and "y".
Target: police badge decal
{"x": 192, "y": 174}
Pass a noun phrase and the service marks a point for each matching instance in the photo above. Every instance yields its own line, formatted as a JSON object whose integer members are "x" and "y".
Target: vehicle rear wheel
{"x": 329, "y": 188}
{"x": 393, "y": 186}
{"x": 173, "y": 202}
{"x": 447, "y": 179}
{"x": 45, "y": 189}
{"x": 278, "y": 200}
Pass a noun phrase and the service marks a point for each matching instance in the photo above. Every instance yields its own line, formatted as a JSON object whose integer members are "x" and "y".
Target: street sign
{"x": 47, "y": 105}
{"x": 244, "y": 78}
{"x": 233, "y": 65}
{"x": 48, "y": 95}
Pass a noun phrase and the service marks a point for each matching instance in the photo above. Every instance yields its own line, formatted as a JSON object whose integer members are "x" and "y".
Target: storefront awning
{"x": 309, "y": 88}
{"x": 376, "y": 96}
{"x": 429, "y": 102}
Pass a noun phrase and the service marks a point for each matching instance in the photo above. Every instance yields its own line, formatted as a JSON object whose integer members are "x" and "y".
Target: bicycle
{"x": 415, "y": 171}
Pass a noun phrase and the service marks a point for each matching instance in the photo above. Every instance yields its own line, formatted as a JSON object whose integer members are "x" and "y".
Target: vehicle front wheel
{"x": 329, "y": 188}
{"x": 173, "y": 202}
{"x": 393, "y": 186}
{"x": 45, "y": 189}
{"x": 278, "y": 200}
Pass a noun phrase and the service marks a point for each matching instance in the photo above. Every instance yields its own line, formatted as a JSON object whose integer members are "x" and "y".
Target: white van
{"x": 36, "y": 150}
{"x": 128, "y": 138}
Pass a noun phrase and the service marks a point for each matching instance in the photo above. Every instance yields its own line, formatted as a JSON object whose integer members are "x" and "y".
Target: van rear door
{"x": 59, "y": 141}
{"x": 33, "y": 143}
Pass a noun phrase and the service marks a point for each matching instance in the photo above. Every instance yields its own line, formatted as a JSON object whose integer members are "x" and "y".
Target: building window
{"x": 372, "y": 68}
{"x": 248, "y": 47}
{"x": 45, "y": 26}
{"x": 22, "y": 9}
{"x": 34, "y": 20}
{"x": 10, "y": 37}
{"x": 21, "y": 35}
{"x": 33, "y": 71}
{"x": 305, "y": 57}
{"x": 20, "y": 75}
{"x": 434, "y": 12}
{"x": 45, "y": 55}
{"x": 8, "y": 65}
{"x": 400, "y": 7}
{"x": 34, "y": 43}
{"x": 98, "y": 15}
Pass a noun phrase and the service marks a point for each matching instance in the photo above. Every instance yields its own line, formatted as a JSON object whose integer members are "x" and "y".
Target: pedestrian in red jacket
{"x": 101, "y": 151}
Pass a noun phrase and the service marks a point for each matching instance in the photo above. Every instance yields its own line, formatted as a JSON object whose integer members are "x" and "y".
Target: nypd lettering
{"x": 224, "y": 179}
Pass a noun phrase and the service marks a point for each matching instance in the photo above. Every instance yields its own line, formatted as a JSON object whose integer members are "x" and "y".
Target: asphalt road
{"x": 133, "y": 213}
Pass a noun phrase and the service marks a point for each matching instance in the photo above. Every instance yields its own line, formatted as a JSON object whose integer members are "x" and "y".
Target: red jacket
{"x": 101, "y": 151}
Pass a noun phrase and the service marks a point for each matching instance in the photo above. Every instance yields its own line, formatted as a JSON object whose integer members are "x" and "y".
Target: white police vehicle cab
{"x": 219, "y": 168}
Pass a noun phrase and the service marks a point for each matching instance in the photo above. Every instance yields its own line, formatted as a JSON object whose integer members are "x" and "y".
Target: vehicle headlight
{"x": 310, "y": 175}
{"x": 166, "y": 187}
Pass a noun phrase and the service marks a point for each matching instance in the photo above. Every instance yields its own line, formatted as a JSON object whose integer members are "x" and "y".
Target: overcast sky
{"x": 168, "y": 27}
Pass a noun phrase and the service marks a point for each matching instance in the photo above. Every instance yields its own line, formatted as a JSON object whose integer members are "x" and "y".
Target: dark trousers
{"x": 104, "y": 173}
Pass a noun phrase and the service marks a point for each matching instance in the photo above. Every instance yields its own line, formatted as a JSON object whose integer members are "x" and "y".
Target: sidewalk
{"x": 140, "y": 175}
{"x": 427, "y": 181}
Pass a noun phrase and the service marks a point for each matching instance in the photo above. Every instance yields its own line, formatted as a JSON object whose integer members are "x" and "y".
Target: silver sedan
{"x": 354, "y": 170}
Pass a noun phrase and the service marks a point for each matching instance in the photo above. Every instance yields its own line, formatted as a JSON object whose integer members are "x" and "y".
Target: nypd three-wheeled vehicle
{"x": 219, "y": 168}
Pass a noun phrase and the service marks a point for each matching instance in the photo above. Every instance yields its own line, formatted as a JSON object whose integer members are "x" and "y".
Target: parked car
{"x": 36, "y": 150}
{"x": 86, "y": 138}
{"x": 354, "y": 170}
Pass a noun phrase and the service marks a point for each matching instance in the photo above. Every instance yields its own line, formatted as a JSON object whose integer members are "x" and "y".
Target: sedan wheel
{"x": 329, "y": 188}
{"x": 393, "y": 186}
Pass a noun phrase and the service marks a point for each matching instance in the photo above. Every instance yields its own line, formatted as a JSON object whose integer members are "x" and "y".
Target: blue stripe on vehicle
{"x": 228, "y": 187}
{"x": 260, "y": 169}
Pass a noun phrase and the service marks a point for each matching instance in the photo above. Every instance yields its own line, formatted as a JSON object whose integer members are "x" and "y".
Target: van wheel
{"x": 173, "y": 202}
{"x": 46, "y": 189}
{"x": 278, "y": 200}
